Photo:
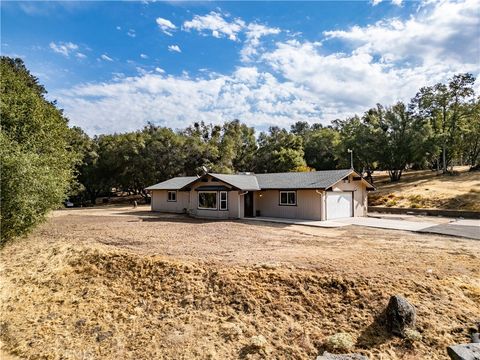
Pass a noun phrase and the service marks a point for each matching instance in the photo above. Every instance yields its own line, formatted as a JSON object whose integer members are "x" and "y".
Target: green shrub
{"x": 36, "y": 163}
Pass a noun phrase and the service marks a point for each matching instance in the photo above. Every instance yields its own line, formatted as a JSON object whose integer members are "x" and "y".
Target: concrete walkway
{"x": 461, "y": 228}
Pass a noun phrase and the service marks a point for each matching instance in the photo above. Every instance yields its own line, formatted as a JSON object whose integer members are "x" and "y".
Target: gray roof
{"x": 290, "y": 180}
{"x": 173, "y": 184}
{"x": 301, "y": 180}
{"x": 242, "y": 181}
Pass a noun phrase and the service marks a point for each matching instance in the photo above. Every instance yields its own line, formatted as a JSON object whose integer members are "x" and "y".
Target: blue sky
{"x": 114, "y": 66}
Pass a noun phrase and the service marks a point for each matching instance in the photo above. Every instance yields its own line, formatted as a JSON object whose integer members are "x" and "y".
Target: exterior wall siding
{"x": 160, "y": 203}
{"x": 308, "y": 205}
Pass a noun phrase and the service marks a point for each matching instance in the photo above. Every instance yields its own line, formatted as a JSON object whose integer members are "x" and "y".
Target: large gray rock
{"x": 400, "y": 315}
{"x": 464, "y": 352}
{"x": 328, "y": 356}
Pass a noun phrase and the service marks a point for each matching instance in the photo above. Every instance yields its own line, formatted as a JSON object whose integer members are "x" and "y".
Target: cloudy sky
{"x": 114, "y": 66}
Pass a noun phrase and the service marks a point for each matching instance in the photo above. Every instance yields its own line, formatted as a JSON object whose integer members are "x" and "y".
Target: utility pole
{"x": 351, "y": 158}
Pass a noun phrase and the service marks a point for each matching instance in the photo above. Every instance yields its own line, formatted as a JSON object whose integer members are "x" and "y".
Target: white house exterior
{"x": 318, "y": 195}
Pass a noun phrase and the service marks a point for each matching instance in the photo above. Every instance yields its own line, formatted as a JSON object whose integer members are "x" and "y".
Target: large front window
{"x": 288, "y": 198}
{"x": 207, "y": 200}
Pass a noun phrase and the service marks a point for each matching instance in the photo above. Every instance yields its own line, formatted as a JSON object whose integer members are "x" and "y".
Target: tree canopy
{"x": 35, "y": 154}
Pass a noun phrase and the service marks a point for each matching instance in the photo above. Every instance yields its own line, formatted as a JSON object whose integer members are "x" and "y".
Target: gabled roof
{"x": 243, "y": 182}
{"x": 174, "y": 183}
{"x": 302, "y": 180}
{"x": 253, "y": 182}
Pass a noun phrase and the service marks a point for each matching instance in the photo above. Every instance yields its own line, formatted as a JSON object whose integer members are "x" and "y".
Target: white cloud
{"x": 64, "y": 48}
{"x": 254, "y": 32}
{"x": 217, "y": 24}
{"x": 165, "y": 25}
{"x": 127, "y": 104}
{"x": 376, "y": 2}
{"x": 131, "y": 33}
{"x": 397, "y": 2}
{"x": 80, "y": 55}
{"x": 220, "y": 27}
{"x": 144, "y": 56}
{"x": 296, "y": 80}
{"x": 443, "y": 32}
{"x": 106, "y": 57}
{"x": 175, "y": 48}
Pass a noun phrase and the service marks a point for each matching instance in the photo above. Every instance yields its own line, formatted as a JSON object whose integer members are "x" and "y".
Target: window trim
{"x": 168, "y": 195}
{"x": 207, "y": 192}
{"x": 286, "y": 192}
{"x": 220, "y": 200}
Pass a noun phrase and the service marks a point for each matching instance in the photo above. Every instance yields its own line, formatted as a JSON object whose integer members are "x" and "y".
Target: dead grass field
{"x": 426, "y": 189}
{"x": 118, "y": 283}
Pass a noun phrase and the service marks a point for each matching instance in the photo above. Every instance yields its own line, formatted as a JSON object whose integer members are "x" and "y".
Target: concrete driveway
{"x": 454, "y": 227}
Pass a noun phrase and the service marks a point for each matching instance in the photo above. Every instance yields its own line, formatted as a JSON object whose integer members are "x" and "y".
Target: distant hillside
{"x": 426, "y": 189}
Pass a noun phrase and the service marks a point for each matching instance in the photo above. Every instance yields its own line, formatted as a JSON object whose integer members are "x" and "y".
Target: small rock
{"x": 328, "y": 356}
{"x": 400, "y": 315}
{"x": 258, "y": 342}
{"x": 339, "y": 341}
{"x": 103, "y": 335}
{"x": 464, "y": 352}
{"x": 475, "y": 338}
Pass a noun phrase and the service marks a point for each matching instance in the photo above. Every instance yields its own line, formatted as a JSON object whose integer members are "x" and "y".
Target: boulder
{"x": 328, "y": 356}
{"x": 400, "y": 315}
{"x": 464, "y": 352}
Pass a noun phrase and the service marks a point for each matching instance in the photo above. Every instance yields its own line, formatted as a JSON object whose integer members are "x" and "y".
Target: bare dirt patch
{"x": 427, "y": 189}
{"x": 117, "y": 283}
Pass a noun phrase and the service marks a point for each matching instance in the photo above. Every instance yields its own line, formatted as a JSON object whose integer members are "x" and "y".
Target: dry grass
{"x": 131, "y": 286}
{"x": 426, "y": 189}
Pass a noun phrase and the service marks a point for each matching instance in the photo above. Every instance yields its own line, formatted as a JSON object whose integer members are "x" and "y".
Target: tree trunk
{"x": 395, "y": 175}
{"x": 444, "y": 159}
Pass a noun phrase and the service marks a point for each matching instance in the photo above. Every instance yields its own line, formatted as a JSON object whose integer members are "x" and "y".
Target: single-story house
{"x": 317, "y": 195}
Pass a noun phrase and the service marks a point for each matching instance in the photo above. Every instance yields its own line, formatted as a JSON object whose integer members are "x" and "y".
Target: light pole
{"x": 351, "y": 158}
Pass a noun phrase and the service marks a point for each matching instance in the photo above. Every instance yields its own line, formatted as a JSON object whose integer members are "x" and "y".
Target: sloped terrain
{"x": 66, "y": 295}
{"x": 426, "y": 189}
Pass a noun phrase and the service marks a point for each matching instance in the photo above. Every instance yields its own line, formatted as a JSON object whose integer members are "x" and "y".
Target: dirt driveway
{"x": 359, "y": 249}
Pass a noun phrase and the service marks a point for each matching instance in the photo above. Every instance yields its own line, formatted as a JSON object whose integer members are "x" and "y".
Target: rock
{"x": 328, "y": 356}
{"x": 104, "y": 335}
{"x": 464, "y": 352}
{"x": 400, "y": 315}
{"x": 258, "y": 342}
{"x": 340, "y": 342}
{"x": 475, "y": 338}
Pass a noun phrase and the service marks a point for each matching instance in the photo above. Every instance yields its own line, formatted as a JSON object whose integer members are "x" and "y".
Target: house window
{"x": 172, "y": 196}
{"x": 207, "y": 200}
{"x": 223, "y": 200}
{"x": 288, "y": 198}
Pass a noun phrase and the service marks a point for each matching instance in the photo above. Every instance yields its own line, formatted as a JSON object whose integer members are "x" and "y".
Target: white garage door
{"x": 339, "y": 205}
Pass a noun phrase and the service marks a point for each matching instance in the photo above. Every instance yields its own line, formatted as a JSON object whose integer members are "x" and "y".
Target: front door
{"x": 248, "y": 204}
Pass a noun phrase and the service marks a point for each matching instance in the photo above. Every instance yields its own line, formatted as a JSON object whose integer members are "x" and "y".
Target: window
{"x": 172, "y": 196}
{"x": 288, "y": 198}
{"x": 223, "y": 200}
{"x": 207, "y": 200}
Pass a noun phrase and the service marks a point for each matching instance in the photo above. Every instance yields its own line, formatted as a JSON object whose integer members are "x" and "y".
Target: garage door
{"x": 339, "y": 205}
